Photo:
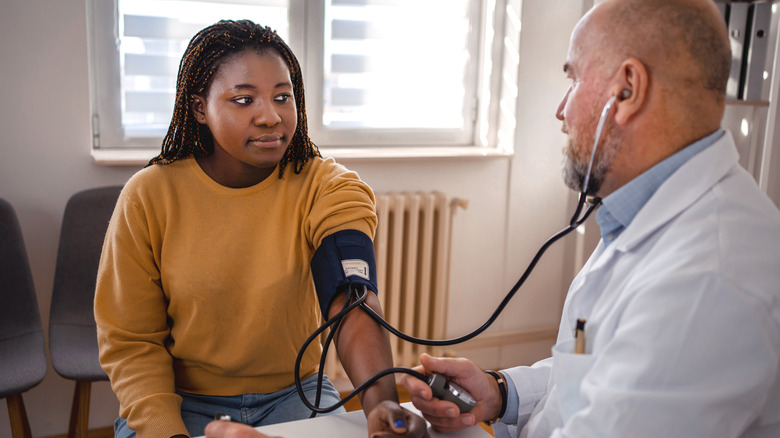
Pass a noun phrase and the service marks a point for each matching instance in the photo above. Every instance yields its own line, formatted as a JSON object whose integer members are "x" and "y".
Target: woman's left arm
{"x": 363, "y": 347}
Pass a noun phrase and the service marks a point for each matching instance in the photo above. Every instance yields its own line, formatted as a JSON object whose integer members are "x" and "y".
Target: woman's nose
{"x": 266, "y": 116}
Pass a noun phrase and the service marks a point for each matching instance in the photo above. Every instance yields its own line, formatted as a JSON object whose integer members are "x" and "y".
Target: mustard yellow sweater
{"x": 207, "y": 289}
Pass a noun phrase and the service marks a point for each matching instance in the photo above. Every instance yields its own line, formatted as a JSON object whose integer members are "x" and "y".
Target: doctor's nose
{"x": 562, "y": 105}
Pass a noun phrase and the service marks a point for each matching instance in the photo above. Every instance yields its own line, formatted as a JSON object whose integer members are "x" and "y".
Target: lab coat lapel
{"x": 682, "y": 189}
{"x": 585, "y": 290}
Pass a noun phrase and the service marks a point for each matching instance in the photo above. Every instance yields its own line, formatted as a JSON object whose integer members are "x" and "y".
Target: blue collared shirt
{"x": 616, "y": 213}
{"x": 621, "y": 206}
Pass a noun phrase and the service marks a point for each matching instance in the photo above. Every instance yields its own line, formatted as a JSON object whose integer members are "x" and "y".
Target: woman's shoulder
{"x": 318, "y": 164}
{"x": 155, "y": 173}
{"x": 156, "y": 179}
{"x": 328, "y": 177}
{"x": 327, "y": 168}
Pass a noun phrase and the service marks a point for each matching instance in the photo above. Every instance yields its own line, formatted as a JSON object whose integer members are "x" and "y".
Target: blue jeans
{"x": 252, "y": 409}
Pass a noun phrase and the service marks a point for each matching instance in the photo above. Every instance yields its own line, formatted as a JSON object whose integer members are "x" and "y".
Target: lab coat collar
{"x": 680, "y": 190}
{"x": 691, "y": 181}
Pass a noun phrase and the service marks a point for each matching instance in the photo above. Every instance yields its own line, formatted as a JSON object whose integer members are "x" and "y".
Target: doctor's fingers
{"x": 415, "y": 386}
{"x": 450, "y": 424}
{"x": 435, "y": 408}
{"x": 456, "y": 369}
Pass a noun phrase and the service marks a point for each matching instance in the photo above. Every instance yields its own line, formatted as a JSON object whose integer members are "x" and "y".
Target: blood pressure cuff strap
{"x": 345, "y": 258}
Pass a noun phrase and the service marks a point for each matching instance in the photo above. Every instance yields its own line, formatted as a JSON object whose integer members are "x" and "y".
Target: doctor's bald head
{"x": 683, "y": 43}
{"x": 665, "y": 62}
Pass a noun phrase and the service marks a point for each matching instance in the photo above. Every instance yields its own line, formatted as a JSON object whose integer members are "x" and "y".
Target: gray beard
{"x": 574, "y": 174}
{"x": 574, "y": 171}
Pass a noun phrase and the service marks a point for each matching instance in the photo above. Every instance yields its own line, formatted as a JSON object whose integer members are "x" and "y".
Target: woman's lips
{"x": 267, "y": 141}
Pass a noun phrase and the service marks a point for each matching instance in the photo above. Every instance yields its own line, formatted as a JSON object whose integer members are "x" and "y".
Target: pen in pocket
{"x": 579, "y": 337}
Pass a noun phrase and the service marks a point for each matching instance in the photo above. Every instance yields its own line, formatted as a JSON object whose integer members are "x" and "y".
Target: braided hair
{"x": 203, "y": 57}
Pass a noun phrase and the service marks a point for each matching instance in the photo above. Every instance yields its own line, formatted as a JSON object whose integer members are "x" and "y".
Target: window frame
{"x": 485, "y": 140}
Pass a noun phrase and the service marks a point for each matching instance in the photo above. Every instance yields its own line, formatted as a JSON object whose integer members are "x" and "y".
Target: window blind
{"x": 396, "y": 64}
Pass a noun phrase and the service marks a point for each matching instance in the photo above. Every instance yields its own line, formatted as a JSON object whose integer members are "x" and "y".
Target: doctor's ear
{"x": 630, "y": 87}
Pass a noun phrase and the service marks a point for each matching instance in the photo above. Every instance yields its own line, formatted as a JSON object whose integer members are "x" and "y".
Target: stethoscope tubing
{"x": 359, "y": 299}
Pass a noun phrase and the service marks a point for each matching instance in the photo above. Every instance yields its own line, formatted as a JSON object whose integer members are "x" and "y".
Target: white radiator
{"x": 412, "y": 246}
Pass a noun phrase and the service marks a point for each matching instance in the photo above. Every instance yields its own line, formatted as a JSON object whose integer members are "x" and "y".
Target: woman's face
{"x": 251, "y": 112}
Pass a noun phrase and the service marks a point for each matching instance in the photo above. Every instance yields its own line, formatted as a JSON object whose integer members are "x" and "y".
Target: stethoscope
{"x": 357, "y": 296}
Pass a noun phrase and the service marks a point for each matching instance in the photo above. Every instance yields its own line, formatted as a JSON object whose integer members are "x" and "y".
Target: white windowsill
{"x": 135, "y": 157}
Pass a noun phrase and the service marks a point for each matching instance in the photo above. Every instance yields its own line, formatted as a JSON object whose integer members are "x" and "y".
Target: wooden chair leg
{"x": 79, "y": 411}
{"x": 20, "y": 427}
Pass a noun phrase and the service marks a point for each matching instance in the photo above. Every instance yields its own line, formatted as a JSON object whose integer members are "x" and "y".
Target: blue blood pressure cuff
{"x": 345, "y": 258}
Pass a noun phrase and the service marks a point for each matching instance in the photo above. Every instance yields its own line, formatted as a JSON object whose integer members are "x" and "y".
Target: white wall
{"x": 514, "y": 203}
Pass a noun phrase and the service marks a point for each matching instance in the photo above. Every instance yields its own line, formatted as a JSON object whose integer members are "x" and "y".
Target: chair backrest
{"x": 22, "y": 348}
{"x": 72, "y": 329}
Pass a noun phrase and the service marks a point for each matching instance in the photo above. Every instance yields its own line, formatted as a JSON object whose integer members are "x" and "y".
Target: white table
{"x": 350, "y": 425}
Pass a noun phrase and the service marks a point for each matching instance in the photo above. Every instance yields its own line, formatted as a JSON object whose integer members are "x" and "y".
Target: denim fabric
{"x": 252, "y": 409}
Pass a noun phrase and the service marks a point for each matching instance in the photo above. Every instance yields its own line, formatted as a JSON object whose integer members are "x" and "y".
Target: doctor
{"x": 681, "y": 297}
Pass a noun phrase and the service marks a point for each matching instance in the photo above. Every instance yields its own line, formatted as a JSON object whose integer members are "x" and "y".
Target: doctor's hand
{"x": 389, "y": 419}
{"x": 230, "y": 429}
{"x": 444, "y": 416}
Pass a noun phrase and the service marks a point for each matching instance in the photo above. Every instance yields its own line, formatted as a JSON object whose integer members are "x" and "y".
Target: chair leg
{"x": 79, "y": 411}
{"x": 20, "y": 427}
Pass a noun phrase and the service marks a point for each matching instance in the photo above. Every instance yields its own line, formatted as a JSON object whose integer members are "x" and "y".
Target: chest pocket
{"x": 567, "y": 373}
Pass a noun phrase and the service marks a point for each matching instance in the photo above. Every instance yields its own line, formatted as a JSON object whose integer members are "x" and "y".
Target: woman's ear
{"x": 631, "y": 88}
{"x": 198, "y": 107}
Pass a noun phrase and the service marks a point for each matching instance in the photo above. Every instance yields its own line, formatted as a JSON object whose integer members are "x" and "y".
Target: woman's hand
{"x": 389, "y": 419}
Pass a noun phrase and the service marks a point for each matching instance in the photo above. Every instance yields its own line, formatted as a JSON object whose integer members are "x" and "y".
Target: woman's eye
{"x": 283, "y": 98}
{"x": 243, "y": 100}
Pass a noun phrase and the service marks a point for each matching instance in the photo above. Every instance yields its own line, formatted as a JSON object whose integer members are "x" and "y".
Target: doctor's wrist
{"x": 499, "y": 384}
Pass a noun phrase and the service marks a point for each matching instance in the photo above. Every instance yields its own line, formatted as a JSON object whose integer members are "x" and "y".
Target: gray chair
{"x": 22, "y": 348}
{"x": 72, "y": 330}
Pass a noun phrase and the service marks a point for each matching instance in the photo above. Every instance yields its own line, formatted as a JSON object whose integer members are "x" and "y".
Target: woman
{"x": 204, "y": 291}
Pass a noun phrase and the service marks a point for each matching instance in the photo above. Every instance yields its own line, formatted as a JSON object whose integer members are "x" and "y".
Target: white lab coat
{"x": 683, "y": 320}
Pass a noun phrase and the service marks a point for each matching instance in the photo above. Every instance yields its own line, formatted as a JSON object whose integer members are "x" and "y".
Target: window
{"x": 396, "y": 71}
{"x": 136, "y": 49}
{"x": 378, "y": 73}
